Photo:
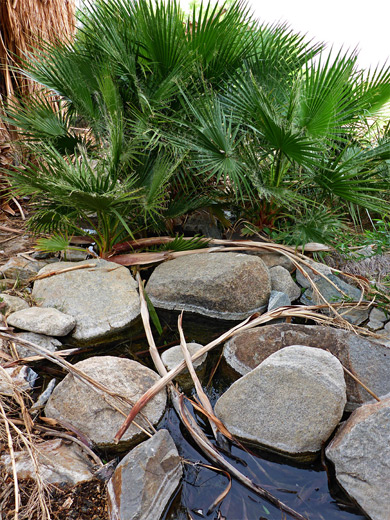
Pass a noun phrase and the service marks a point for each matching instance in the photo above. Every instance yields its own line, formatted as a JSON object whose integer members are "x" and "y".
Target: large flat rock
{"x": 368, "y": 360}
{"x": 228, "y": 286}
{"x": 103, "y": 300}
{"x": 89, "y": 412}
{"x": 360, "y": 452}
{"x": 290, "y": 403}
{"x": 145, "y": 480}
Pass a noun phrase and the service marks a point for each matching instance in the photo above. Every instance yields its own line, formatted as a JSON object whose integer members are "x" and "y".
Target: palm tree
{"x": 177, "y": 112}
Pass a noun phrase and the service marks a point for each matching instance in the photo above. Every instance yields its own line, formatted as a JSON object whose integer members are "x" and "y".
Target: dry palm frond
{"x": 193, "y": 428}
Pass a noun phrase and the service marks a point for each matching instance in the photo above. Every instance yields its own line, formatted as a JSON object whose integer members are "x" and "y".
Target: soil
{"x": 86, "y": 501}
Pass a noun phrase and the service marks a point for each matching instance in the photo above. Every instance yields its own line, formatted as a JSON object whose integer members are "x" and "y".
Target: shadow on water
{"x": 309, "y": 489}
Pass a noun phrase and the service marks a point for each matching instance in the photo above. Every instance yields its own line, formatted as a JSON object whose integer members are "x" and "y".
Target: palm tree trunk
{"x": 23, "y": 23}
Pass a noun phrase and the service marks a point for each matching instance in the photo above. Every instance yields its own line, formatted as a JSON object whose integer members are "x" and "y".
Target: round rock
{"x": 103, "y": 298}
{"x": 89, "y": 412}
{"x": 228, "y": 286}
{"x": 290, "y": 403}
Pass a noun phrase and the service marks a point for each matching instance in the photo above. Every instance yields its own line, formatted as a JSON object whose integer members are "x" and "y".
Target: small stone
{"x": 74, "y": 255}
{"x": 12, "y": 303}
{"x": 387, "y": 327}
{"x": 378, "y": 315}
{"x": 274, "y": 259}
{"x": 145, "y": 480}
{"x": 46, "y": 342}
{"x": 290, "y": 403}
{"x": 281, "y": 281}
{"x": 354, "y": 315}
{"x": 58, "y": 463}
{"x": 360, "y": 452}
{"x": 42, "y": 320}
{"x": 90, "y": 412}
{"x": 374, "y": 325}
{"x": 21, "y": 378}
{"x": 278, "y": 299}
{"x": 174, "y": 355}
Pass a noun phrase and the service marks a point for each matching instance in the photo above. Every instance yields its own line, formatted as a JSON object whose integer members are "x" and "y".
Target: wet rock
{"x": 103, "y": 300}
{"x": 20, "y": 378}
{"x": 278, "y": 299}
{"x": 41, "y": 320}
{"x": 46, "y": 342}
{"x": 369, "y": 360}
{"x": 281, "y": 281}
{"x": 90, "y": 412}
{"x": 145, "y": 480}
{"x": 173, "y": 356}
{"x": 290, "y": 403}
{"x": 228, "y": 286}
{"x": 12, "y": 303}
{"x": 58, "y": 463}
{"x": 360, "y": 452}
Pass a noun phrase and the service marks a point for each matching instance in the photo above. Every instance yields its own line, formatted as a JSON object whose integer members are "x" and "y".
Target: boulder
{"x": 377, "y": 314}
{"x": 174, "y": 355}
{"x": 12, "y": 303}
{"x": 145, "y": 480}
{"x": 229, "y": 286}
{"x": 58, "y": 463}
{"x": 290, "y": 403}
{"x": 360, "y": 452}
{"x": 274, "y": 259}
{"x": 89, "y": 411}
{"x": 103, "y": 299}
{"x": 281, "y": 281}
{"x": 42, "y": 320}
{"x": 369, "y": 360}
{"x": 46, "y": 342}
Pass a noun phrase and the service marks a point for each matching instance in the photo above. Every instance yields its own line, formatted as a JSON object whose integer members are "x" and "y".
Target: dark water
{"x": 309, "y": 489}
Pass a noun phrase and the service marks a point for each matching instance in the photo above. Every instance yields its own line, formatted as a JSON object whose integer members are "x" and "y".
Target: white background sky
{"x": 348, "y": 23}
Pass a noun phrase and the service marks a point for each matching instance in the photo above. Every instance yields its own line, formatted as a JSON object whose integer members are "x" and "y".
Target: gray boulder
{"x": 360, "y": 452}
{"x": 290, "y": 403}
{"x": 369, "y": 360}
{"x": 228, "y": 286}
{"x": 103, "y": 300}
{"x": 274, "y": 259}
{"x": 321, "y": 268}
{"x": 330, "y": 293}
{"x": 145, "y": 480}
{"x": 90, "y": 412}
{"x": 41, "y": 320}
{"x": 281, "y": 281}
{"x": 58, "y": 463}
